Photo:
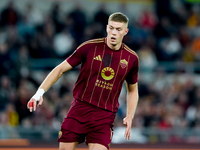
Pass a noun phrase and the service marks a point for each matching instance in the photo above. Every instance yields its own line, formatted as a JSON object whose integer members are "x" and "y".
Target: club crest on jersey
{"x": 107, "y": 73}
{"x": 123, "y": 63}
{"x": 98, "y": 58}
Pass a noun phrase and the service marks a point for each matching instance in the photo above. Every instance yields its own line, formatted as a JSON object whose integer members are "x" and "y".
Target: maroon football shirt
{"x": 103, "y": 72}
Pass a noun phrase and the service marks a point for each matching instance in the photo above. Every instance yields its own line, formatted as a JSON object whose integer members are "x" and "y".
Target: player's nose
{"x": 114, "y": 32}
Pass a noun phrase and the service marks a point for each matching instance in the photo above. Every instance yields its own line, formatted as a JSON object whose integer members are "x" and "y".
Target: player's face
{"x": 115, "y": 33}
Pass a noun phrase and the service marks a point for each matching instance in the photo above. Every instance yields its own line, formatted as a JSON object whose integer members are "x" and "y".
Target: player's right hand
{"x": 32, "y": 104}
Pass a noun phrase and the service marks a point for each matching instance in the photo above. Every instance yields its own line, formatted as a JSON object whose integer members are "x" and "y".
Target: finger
{"x": 34, "y": 105}
{"x": 40, "y": 101}
{"x": 128, "y": 135}
{"x": 30, "y": 109}
{"x": 127, "y": 132}
{"x": 27, "y": 105}
{"x": 124, "y": 121}
{"x": 30, "y": 104}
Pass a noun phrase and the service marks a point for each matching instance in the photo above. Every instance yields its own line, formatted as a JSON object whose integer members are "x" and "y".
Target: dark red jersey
{"x": 103, "y": 72}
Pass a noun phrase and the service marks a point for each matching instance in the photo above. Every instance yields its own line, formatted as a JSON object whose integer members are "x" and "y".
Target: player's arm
{"x": 52, "y": 78}
{"x": 132, "y": 100}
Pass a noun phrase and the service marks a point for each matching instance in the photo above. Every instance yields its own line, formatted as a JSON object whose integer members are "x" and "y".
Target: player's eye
{"x": 111, "y": 28}
{"x": 119, "y": 29}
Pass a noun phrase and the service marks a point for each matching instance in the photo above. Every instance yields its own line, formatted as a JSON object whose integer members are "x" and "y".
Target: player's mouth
{"x": 113, "y": 39}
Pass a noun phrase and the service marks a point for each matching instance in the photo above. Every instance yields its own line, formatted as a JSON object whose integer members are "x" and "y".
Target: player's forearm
{"x": 55, "y": 74}
{"x": 132, "y": 100}
{"x": 52, "y": 78}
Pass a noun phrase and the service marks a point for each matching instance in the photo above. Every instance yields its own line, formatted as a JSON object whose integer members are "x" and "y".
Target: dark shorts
{"x": 86, "y": 122}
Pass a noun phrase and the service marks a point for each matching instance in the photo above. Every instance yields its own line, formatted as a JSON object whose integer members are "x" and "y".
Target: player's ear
{"x": 107, "y": 28}
{"x": 126, "y": 31}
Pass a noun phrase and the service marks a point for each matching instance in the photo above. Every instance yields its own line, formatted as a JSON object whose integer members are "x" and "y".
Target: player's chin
{"x": 113, "y": 44}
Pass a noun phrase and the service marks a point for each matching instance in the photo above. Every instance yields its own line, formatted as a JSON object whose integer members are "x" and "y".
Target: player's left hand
{"x": 128, "y": 122}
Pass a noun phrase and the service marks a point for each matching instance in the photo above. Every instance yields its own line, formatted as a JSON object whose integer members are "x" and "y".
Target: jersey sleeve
{"x": 132, "y": 76}
{"x": 78, "y": 56}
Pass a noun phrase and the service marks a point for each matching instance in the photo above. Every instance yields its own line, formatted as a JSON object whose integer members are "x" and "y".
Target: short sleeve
{"x": 132, "y": 76}
{"x": 79, "y": 55}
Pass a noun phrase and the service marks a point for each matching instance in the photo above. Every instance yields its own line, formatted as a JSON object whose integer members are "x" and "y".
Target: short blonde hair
{"x": 118, "y": 17}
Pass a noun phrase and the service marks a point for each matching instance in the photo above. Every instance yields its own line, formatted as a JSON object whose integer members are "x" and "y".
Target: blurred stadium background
{"x": 36, "y": 35}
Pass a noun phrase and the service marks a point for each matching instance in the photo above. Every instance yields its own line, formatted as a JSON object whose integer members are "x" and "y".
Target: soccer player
{"x": 105, "y": 64}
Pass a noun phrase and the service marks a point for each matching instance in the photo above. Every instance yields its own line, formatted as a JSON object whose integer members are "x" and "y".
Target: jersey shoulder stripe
{"x": 130, "y": 50}
{"x": 100, "y": 40}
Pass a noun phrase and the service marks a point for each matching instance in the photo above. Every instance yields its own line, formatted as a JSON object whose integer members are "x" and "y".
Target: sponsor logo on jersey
{"x": 123, "y": 63}
{"x": 107, "y": 73}
{"x": 98, "y": 58}
{"x": 104, "y": 84}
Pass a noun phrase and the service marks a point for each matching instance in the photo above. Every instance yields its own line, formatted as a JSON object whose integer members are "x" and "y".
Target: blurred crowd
{"x": 165, "y": 33}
